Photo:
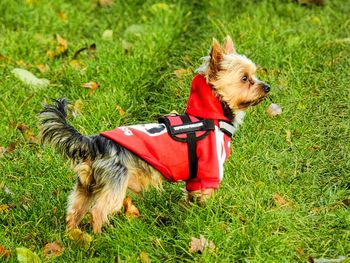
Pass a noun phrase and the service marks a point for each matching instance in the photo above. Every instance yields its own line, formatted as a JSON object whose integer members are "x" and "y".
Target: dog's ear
{"x": 228, "y": 46}
{"x": 216, "y": 56}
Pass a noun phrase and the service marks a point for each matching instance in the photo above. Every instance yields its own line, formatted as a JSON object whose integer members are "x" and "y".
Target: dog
{"x": 191, "y": 147}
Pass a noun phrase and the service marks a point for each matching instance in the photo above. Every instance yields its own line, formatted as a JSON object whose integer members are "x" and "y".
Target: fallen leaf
{"x": 24, "y": 255}
{"x": 131, "y": 210}
{"x": 105, "y": 3}
{"x": 330, "y": 260}
{"x": 279, "y": 200}
{"x": 53, "y": 249}
{"x": 31, "y": 138}
{"x": 107, "y": 34}
{"x": 120, "y": 110}
{"x": 29, "y": 78}
{"x": 182, "y": 71}
{"x": 289, "y": 136}
{"x": 92, "y": 85}
{"x": 42, "y": 68}
{"x": 4, "y": 253}
{"x": 75, "y": 64}
{"x": 4, "y": 208}
{"x": 274, "y": 110}
{"x": 346, "y": 202}
{"x": 61, "y": 48}
{"x": 7, "y": 150}
{"x": 201, "y": 244}
{"x": 144, "y": 258}
{"x": 63, "y": 17}
{"x": 83, "y": 239}
{"x": 22, "y": 127}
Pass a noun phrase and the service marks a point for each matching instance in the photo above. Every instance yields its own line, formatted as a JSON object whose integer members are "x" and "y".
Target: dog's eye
{"x": 245, "y": 78}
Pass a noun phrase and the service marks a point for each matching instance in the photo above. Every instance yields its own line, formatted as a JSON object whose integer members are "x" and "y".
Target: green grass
{"x": 303, "y": 52}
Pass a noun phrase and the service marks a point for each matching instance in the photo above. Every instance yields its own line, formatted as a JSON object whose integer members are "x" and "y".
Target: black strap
{"x": 192, "y": 148}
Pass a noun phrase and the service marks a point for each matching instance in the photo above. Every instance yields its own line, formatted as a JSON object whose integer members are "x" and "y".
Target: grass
{"x": 303, "y": 155}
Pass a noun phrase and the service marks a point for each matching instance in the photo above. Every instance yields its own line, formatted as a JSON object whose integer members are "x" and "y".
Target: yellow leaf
{"x": 42, "y": 68}
{"x": 61, "y": 48}
{"x": 4, "y": 208}
{"x": 83, "y": 239}
{"x": 120, "y": 110}
{"x": 24, "y": 255}
{"x": 144, "y": 258}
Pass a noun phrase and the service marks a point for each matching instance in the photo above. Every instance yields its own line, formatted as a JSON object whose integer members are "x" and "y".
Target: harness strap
{"x": 186, "y": 132}
{"x": 192, "y": 148}
{"x": 227, "y": 128}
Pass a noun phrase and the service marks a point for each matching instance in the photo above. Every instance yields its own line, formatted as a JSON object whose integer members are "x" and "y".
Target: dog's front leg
{"x": 200, "y": 196}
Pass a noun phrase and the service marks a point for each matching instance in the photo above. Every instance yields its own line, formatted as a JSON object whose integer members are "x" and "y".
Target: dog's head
{"x": 233, "y": 76}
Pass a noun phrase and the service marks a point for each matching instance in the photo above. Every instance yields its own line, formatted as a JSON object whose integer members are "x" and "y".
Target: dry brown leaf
{"x": 61, "y": 48}
{"x": 182, "y": 71}
{"x": 22, "y": 127}
{"x": 4, "y": 253}
{"x": 201, "y": 244}
{"x": 9, "y": 149}
{"x": 120, "y": 110}
{"x": 83, "y": 239}
{"x": 92, "y": 85}
{"x": 131, "y": 210}
{"x": 280, "y": 201}
{"x": 53, "y": 249}
{"x": 144, "y": 258}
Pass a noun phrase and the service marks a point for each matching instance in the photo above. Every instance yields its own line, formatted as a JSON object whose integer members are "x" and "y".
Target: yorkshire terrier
{"x": 191, "y": 147}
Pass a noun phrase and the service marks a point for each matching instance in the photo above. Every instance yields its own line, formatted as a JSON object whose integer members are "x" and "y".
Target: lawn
{"x": 285, "y": 196}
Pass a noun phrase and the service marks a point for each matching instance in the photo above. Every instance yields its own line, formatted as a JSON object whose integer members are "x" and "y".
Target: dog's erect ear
{"x": 216, "y": 56}
{"x": 228, "y": 46}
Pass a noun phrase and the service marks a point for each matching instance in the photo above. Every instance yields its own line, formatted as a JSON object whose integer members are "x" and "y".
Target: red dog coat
{"x": 153, "y": 144}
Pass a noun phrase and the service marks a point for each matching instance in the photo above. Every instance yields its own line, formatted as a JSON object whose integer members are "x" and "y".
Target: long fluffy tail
{"x": 57, "y": 132}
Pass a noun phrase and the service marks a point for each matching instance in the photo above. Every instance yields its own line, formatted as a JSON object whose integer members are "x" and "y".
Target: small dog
{"x": 194, "y": 149}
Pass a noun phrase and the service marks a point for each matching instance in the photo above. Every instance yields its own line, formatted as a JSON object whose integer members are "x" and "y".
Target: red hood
{"x": 202, "y": 102}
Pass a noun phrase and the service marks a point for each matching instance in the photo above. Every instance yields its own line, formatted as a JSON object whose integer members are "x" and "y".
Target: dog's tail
{"x": 58, "y": 133}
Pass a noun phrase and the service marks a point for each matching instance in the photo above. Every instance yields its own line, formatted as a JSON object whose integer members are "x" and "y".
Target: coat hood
{"x": 203, "y": 103}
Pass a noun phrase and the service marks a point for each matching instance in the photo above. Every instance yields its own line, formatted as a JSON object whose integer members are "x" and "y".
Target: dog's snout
{"x": 266, "y": 88}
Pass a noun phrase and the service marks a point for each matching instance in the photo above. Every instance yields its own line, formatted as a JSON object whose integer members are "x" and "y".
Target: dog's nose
{"x": 266, "y": 88}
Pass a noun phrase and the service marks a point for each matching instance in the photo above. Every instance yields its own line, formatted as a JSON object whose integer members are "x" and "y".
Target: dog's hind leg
{"x": 79, "y": 202}
{"x": 109, "y": 192}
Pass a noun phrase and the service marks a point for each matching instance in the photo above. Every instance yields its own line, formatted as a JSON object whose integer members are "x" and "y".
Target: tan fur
{"x": 84, "y": 172}
{"x": 142, "y": 177}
